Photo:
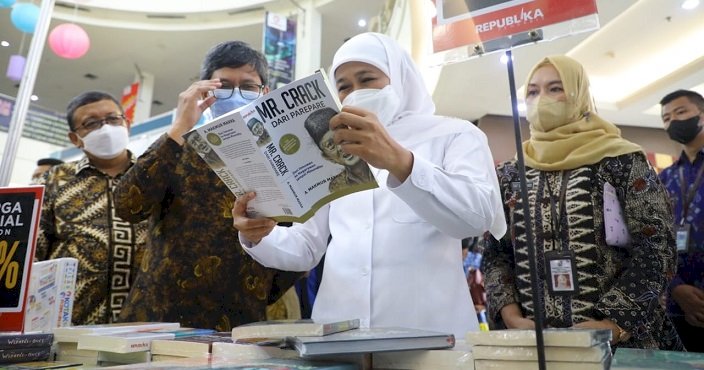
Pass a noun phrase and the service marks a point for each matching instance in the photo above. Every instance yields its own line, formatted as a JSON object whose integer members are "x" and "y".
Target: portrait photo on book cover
{"x": 257, "y": 128}
{"x": 204, "y": 150}
{"x": 355, "y": 170}
{"x": 449, "y": 11}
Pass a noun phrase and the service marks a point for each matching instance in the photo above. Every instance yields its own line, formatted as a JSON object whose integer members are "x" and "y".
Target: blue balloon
{"x": 24, "y": 16}
{"x": 6, "y": 3}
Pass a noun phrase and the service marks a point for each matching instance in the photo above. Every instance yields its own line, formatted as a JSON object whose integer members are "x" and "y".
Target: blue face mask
{"x": 222, "y": 106}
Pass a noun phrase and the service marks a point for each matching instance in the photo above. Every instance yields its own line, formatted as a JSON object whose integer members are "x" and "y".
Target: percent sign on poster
{"x": 9, "y": 269}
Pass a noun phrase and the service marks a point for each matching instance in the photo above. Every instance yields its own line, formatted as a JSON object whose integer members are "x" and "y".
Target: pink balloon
{"x": 69, "y": 41}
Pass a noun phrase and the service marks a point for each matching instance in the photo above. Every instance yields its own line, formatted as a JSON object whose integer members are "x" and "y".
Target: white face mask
{"x": 106, "y": 142}
{"x": 384, "y": 103}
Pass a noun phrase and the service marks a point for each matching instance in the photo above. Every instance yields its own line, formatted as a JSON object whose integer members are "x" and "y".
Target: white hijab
{"x": 416, "y": 112}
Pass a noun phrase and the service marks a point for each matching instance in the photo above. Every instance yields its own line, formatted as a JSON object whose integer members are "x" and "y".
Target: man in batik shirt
{"x": 78, "y": 218}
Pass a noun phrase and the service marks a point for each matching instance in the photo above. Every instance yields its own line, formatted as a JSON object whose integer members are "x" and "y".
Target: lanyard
{"x": 688, "y": 195}
{"x": 561, "y": 203}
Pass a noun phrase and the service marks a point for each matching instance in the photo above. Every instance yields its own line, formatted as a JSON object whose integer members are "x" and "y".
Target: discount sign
{"x": 19, "y": 220}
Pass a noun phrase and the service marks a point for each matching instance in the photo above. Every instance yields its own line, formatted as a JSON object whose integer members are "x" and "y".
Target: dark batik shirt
{"x": 690, "y": 266}
{"x": 623, "y": 284}
{"x": 78, "y": 220}
{"x": 194, "y": 270}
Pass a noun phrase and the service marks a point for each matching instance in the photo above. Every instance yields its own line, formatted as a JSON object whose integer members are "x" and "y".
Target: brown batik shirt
{"x": 78, "y": 220}
{"x": 194, "y": 270}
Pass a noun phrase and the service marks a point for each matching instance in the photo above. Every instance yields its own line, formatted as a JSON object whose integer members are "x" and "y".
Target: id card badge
{"x": 682, "y": 238}
{"x": 560, "y": 273}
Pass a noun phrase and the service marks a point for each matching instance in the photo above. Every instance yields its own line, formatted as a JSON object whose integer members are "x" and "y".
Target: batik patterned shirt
{"x": 623, "y": 284}
{"x": 690, "y": 266}
{"x": 78, "y": 220}
{"x": 194, "y": 270}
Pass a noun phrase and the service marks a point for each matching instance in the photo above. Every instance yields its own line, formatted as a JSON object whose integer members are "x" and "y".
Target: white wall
{"x": 28, "y": 152}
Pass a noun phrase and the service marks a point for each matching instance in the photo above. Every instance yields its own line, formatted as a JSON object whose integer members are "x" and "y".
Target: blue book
{"x": 631, "y": 358}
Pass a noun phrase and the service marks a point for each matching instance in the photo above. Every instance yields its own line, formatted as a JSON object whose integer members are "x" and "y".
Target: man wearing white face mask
{"x": 78, "y": 218}
{"x": 394, "y": 257}
{"x": 192, "y": 271}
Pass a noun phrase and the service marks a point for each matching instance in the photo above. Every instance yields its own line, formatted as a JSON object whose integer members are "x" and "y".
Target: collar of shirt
{"x": 84, "y": 163}
{"x": 683, "y": 159}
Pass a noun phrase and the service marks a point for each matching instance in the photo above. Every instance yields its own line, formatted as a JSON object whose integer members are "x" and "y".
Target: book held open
{"x": 281, "y": 147}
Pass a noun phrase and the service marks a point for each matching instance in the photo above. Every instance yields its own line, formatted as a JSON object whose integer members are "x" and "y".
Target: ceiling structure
{"x": 643, "y": 50}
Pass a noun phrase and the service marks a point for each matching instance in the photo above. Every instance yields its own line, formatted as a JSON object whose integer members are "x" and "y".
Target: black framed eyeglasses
{"x": 246, "y": 91}
{"x": 94, "y": 124}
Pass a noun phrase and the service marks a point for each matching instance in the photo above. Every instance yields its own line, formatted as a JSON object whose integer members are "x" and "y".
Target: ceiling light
{"x": 690, "y": 4}
{"x": 362, "y": 23}
{"x": 4, "y": 43}
{"x": 33, "y": 98}
{"x": 521, "y": 107}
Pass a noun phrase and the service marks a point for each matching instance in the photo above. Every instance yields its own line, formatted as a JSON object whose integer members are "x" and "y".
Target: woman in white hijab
{"x": 394, "y": 257}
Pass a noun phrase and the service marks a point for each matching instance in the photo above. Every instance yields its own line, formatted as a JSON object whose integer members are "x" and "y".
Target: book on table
{"x": 27, "y": 340}
{"x": 72, "y": 333}
{"x": 287, "y": 328}
{"x": 595, "y": 353}
{"x": 533, "y": 365}
{"x": 121, "y": 342}
{"x": 551, "y": 337}
{"x": 633, "y": 358}
{"x": 370, "y": 340}
{"x": 52, "y": 289}
{"x": 190, "y": 346}
{"x": 459, "y": 357}
{"x": 280, "y": 145}
{"x": 198, "y": 363}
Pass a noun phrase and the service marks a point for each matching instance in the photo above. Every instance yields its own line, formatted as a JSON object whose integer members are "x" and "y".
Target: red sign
{"x": 466, "y": 22}
{"x": 19, "y": 222}
{"x": 129, "y": 100}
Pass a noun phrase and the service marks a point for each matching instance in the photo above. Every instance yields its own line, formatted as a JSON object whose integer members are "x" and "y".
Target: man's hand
{"x": 191, "y": 104}
{"x": 252, "y": 229}
{"x": 359, "y": 132}
{"x": 691, "y": 301}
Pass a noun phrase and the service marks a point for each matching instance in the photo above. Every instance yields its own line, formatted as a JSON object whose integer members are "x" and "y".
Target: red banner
{"x": 129, "y": 100}
{"x": 466, "y": 22}
{"x": 19, "y": 221}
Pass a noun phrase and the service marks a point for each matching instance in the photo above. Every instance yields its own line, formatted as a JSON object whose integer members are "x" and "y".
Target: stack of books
{"x": 110, "y": 344}
{"x": 17, "y": 347}
{"x": 565, "y": 349}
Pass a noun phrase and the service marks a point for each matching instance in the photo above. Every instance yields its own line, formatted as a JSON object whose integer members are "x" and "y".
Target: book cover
{"x": 533, "y": 365}
{"x": 219, "y": 363}
{"x": 189, "y": 346}
{"x": 185, "y": 332}
{"x": 121, "y": 342}
{"x": 52, "y": 289}
{"x": 10, "y": 341}
{"x": 286, "y": 328}
{"x": 238, "y": 351}
{"x": 72, "y": 333}
{"x": 457, "y": 358}
{"x": 551, "y": 337}
{"x": 524, "y": 353}
{"x": 14, "y": 355}
{"x": 281, "y": 146}
{"x": 20, "y": 209}
{"x": 369, "y": 340}
{"x": 43, "y": 365}
{"x": 631, "y": 358}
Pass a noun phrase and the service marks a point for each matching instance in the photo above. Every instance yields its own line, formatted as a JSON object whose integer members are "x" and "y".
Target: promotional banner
{"x": 19, "y": 222}
{"x": 280, "y": 49}
{"x": 466, "y": 22}
{"x": 129, "y": 100}
{"x": 42, "y": 124}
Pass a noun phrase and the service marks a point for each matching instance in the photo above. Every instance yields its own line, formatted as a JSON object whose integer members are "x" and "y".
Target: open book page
{"x": 280, "y": 146}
